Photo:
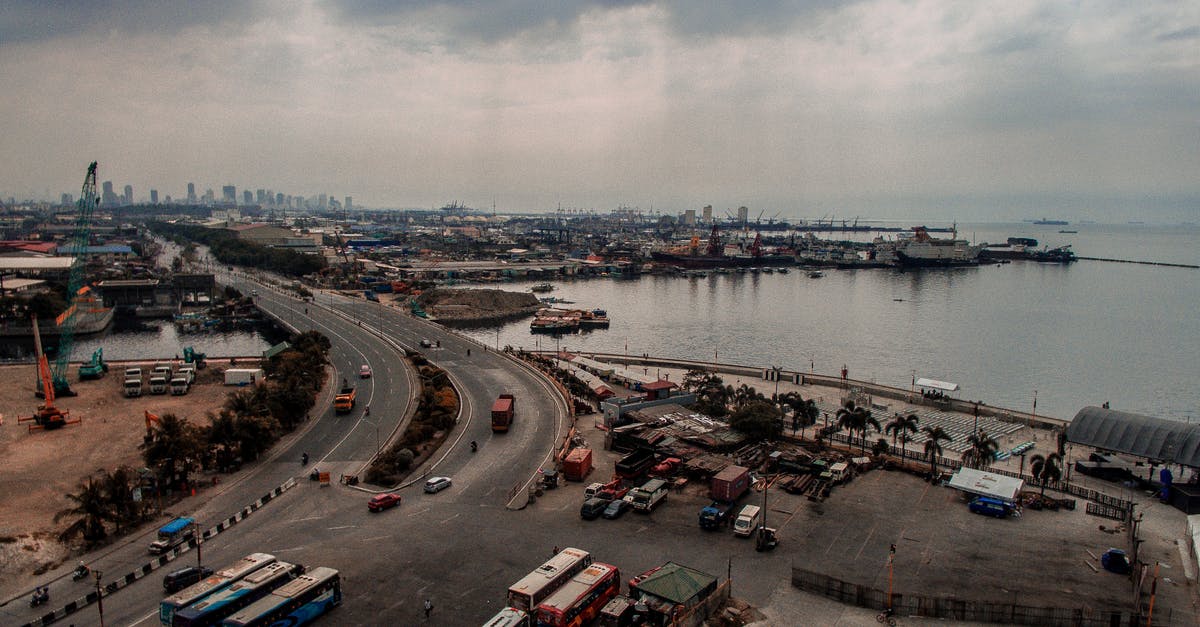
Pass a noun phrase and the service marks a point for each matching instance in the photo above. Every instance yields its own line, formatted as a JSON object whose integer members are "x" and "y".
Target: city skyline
{"x": 991, "y": 110}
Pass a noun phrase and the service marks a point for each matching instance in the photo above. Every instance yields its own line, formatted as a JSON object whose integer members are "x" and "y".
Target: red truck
{"x": 577, "y": 464}
{"x": 502, "y": 412}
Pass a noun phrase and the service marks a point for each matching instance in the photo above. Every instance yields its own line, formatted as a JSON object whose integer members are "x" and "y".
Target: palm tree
{"x": 92, "y": 508}
{"x": 933, "y": 446}
{"x": 847, "y": 417}
{"x": 171, "y": 444}
{"x": 981, "y": 451}
{"x": 854, "y": 418}
{"x": 904, "y": 427}
{"x": 868, "y": 421}
{"x": 118, "y": 493}
{"x": 804, "y": 414}
{"x": 1046, "y": 468}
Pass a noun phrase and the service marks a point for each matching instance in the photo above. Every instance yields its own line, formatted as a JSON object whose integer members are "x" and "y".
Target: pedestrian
{"x": 428, "y": 607}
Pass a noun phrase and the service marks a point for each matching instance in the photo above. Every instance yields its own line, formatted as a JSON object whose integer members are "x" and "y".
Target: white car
{"x": 436, "y": 484}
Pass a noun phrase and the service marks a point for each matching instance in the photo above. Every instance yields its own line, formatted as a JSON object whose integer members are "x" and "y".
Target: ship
{"x": 921, "y": 251}
{"x": 1044, "y": 221}
{"x": 714, "y": 255}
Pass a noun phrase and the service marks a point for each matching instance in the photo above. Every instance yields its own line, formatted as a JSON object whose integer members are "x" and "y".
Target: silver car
{"x": 436, "y": 484}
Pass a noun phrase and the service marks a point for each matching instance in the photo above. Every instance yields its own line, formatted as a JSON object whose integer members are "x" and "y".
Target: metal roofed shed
{"x": 944, "y": 386}
{"x": 1155, "y": 439}
{"x": 673, "y": 584}
{"x": 986, "y": 484}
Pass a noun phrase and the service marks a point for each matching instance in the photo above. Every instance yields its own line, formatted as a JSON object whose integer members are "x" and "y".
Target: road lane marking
{"x": 446, "y": 520}
{"x": 343, "y": 527}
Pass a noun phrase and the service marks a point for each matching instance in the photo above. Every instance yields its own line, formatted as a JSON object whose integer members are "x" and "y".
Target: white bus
{"x": 532, "y": 589}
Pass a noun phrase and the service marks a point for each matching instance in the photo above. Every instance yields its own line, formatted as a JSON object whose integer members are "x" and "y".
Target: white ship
{"x": 921, "y": 250}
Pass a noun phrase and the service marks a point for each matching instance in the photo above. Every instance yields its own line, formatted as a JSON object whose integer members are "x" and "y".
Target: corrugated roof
{"x": 676, "y": 583}
{"x": 1144, "y": 436}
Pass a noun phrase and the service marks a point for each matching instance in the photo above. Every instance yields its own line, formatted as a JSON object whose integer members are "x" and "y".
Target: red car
{"x": 380, "y": 502}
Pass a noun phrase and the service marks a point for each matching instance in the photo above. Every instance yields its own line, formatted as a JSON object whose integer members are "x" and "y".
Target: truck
{"x": 577, "y": 464}
{"x": 179, "y": 386}
{"x": 747, "y": 520}
{"x": 344, "y": 401}
{"x": 645, "y": 498}
{"x": 730, "y": 484}
{"x": 133, "y": 387}
{"x": 503, "y": 411}
{"x": 635, "y": 464}
{"x": 244, "y": 376}
{"x": 158, "y": 385}
{"x": 172, "y": 534}
{"x": 716, "y": 514}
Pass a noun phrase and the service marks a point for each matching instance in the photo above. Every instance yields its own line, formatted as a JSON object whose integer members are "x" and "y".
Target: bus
{"x": 533, "y": 588}
{"x": 580, "y": 600}
{"x": 211, "y": 609}
{"x": 213, "y": 583}
{"x": 509, "y": 617}
{"x": 296, "y": 603}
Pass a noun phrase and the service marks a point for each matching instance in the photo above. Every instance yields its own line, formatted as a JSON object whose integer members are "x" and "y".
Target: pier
{"x": 1144, "y": 263}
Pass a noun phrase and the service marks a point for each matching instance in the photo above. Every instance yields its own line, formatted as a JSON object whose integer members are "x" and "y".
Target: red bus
{"x": 580, "y": 600}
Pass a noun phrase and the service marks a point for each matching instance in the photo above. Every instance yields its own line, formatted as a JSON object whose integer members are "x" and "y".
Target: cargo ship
{"x": 923, "y": 251}
{"x": 715, "y": 256}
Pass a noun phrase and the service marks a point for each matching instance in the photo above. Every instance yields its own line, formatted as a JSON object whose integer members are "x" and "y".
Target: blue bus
{"x": 213, "y": 583}
{"x": 211, "y": 609}
{"x": 296, "y": 603}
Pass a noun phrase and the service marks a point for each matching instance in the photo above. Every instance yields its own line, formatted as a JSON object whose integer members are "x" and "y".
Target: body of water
{"x": 155, "y": 339}
{"x": 1078, "y": 334}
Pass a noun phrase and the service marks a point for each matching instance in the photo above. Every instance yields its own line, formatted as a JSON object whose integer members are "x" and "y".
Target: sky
{"x": 886, "y": 109}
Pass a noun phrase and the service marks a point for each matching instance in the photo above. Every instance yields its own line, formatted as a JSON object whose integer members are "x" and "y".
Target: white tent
{"x": 987, "y": 484}
{"x": 937, "y": 385}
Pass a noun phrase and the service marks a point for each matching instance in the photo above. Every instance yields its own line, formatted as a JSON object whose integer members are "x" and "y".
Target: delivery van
{"x": 747, "y": 520}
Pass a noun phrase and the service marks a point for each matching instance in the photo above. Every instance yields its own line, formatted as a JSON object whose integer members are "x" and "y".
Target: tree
{"x": 933, "y": 446}
{"x": 902, "y": 427}
{"x": 981, "y": 450}
{"x": 170, "y": 445}
{"x": 859, "y": 419}
{"x": 745, "y": 394}
{"x": 92, "y": 509}
{"x": 880, "y": 447}
{"x": 758, "y": 419}
{"x": 804, "y": 414}
{"x": 118, "y": 493}
{"x": 1046, "y": 468}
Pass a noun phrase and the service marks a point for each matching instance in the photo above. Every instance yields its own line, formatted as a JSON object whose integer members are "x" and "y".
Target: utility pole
{"x": 99, "y": 597}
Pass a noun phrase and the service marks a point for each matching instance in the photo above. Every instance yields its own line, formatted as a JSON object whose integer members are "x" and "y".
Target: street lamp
{"x": 99, "y": 597}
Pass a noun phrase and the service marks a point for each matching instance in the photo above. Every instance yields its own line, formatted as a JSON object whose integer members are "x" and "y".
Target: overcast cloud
{"x": 883, "y": 108}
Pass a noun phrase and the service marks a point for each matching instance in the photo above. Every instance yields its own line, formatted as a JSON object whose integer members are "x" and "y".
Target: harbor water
{"x": 1074, "y": 335}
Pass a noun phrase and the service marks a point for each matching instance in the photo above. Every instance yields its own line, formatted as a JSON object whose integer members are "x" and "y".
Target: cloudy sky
{"x": 938, "y": 109}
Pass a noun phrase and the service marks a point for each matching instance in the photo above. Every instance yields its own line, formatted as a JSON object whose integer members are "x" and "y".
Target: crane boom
{"x": 76, "y": 291}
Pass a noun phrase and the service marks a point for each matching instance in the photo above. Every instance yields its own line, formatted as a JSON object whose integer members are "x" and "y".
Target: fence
{"x": 956, "y": 609}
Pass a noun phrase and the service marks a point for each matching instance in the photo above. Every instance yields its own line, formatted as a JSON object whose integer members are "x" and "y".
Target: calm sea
{"x": 1077, "y": 335}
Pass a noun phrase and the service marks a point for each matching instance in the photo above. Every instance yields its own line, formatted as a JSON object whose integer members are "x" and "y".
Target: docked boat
{"x": 716, "y": 256}
{"x": 542, "y": 287}
{"x": 815, "y": 274}
{"x": 922, "y": 251}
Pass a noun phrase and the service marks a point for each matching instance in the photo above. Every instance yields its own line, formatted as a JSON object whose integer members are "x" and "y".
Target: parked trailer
{"x": 503, "y": 412}
{"x": 244, "y": 376}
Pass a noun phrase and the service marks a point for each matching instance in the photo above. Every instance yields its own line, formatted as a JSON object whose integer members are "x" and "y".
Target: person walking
{"x": 428, "y": 607}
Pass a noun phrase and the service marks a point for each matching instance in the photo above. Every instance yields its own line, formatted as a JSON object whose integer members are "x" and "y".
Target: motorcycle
{"x": 474, "y": 446}
{"x": 304, "y": 459}
{"x": 80, "y": 572}
{"x": 41, "y": 596}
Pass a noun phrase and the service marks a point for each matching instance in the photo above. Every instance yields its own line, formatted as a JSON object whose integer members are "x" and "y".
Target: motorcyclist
{"x": 367, "y": 411}
{"x": 304, "y": 459}
{"x": 474, "y": 446}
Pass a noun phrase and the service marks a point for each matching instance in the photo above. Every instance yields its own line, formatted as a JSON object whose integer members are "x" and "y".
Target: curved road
{"x": 439, "y": 546}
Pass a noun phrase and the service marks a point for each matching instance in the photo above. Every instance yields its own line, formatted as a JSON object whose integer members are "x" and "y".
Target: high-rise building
{"x": 279, "y": 199}
{"x": 349, "y": 204}
{"x": 743, "y": 215}
{"x": 129, "y": 194}
{"x": 191, "y": 198}
{"x": 260, "y": 196}
{"x": 322, "y": 201}
{"x": 248, "y": 197}
{"x": 689, "y": 217}
{"x": 708, "y": 214}
{"x": 209, "y": 196}
{"x": 108, "y": 197}
{"x": 67, "y": 199}
{"x": 229, "y": 194}
{"x": 154, "y": 196}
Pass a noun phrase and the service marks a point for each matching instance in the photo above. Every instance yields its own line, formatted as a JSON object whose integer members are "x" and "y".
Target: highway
{"x": 390, "y": 561}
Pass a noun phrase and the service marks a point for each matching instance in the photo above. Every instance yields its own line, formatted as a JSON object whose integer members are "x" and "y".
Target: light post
{"x": 497, "y": 339}
{"x": 99, "y": 597}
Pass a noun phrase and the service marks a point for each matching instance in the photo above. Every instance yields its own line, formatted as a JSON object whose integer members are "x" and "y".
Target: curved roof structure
{"x": 1144, "y": 436}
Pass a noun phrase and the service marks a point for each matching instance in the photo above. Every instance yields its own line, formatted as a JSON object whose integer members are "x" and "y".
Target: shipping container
{"x": 577, "y": 465}
{"x": 730, "y": 484}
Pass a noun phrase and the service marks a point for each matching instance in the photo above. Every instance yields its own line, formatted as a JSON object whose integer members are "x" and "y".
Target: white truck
{"x": 133, "y": 387}
{"x": 179, "y": 386}
{"x": 244, "y": 376}
{"x": 158, "y": 385}
{"x": 645, "y": 498}
{"x": 747, "y": 520}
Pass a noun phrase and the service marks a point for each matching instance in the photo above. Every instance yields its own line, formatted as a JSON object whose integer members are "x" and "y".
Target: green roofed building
{"x": 672, "y": 590}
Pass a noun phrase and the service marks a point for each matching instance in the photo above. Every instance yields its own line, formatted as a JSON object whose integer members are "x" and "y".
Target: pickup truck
{"x": 344, "y": 401}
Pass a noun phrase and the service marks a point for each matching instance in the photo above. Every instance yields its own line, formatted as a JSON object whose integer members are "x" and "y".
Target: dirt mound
{"x": 476, "y": 306}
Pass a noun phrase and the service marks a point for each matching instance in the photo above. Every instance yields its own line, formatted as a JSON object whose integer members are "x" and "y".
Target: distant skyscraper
{"x": 154, "y": 196}
{"x": 129, "y": 194}
{"x": 108, "y": 197}
{"x": 349, "y": 203}
{"x": 708, "y": 214}
{"x": 743, "y": 215}
{"x": 247, "y": 197}
{"x": 67, "y": 199}
{"x": 279, "y": 199}
{"x": 191, "y": 198}
{"x": 209, "y": 196}
{"x": 322, "y": 201}
{"x": 229, "y": 194}
{"x": 260, "y": 196}
{"x": 689, "y": 217}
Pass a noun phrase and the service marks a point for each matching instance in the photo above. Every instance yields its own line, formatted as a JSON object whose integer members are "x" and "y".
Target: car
{"x": 592, "y": 508}
{"x": 436, "y": 484}
{"x": 990, "y": 507}
{"x": 364, "y": 372}
{"x": 615, "y": 508}
{"x": 426, "y": 343}
{"x": 380, "y": 502}
{"x": 184, "y": 577}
